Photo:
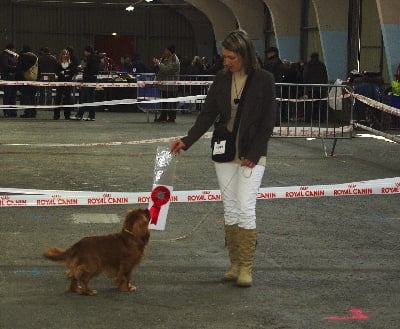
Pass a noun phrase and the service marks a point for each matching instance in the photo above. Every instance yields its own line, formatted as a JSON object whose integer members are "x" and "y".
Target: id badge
{"x": 219, "y": 148}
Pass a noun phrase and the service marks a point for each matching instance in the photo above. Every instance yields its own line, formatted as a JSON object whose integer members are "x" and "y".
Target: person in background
{"x": 167, "y": 69}
{"x": 138, "y": 65}
{"x": 8, "y": 65}
{"x": 27, "y": 70}
{"x": 196, "y": 66}
{"x": 87, "y": 94}
{"x": 74, "y": 59}
{"x": 274, "y": 64}
{"x": 47, "y": 72}
{"x": 367, "y": 84}
{"x": 195, "y": 71}
{"x": 126, "y": 65}
{"x": 217, "y": 65}
{"x": 315, "y": 72}
{"x": 291, "y": 111}
{"x": 239, "y": 180}
{"x": 206, "y": 64}
{"x": 65, "y": 72}
{"x": 185, "y": 65}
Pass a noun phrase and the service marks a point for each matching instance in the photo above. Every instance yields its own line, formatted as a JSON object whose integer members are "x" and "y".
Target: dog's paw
{"x": 131, "y": 287}
{"x": 127, "y": 288}
{"x": 86, "y": 292}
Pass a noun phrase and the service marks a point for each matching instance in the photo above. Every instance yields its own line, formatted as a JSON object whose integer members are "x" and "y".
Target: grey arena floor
{"x": 321, "y": 263}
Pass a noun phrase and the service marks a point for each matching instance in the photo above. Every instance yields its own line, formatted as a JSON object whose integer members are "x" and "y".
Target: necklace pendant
{"x": 236, "y": 101}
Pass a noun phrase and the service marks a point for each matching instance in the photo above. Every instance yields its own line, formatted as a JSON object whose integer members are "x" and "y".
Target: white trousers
{"x": 239, "y": 187}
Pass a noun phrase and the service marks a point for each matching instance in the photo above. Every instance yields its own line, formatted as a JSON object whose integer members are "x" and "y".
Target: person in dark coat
{"x": 72, "y": 56}
{"x": 315, "y": 73}
{"x": 217, "y": 65}
{"x": 138, "y": 65}
{"x": 293, "y": 76}
{"x": 167, "y": 68}
{"x": 47, "y": 72}
{"x": 127, "y": 65}
{"x": 240, "y": 178}
{"x": 87, "y": 94}
{"x": 196, "y": 69}
{"x": 27, "y": 63}
{"x": 274, "y": 64}
{"x": 8, "y": 65}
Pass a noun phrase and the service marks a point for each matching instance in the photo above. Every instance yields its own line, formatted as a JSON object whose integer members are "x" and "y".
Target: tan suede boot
{"x": 231, "y": 232}
{"x": 247, "y": 247}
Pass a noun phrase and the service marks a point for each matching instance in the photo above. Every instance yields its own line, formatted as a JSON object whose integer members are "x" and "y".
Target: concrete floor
{"x": 323, "y": 263}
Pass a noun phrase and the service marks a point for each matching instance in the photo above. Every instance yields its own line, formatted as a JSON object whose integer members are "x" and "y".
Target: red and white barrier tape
{"x": 11, "y": 197}
{"x": 139, "y": 100}
{"x": 377, "y": 105}
{"x": 139, "y": 84}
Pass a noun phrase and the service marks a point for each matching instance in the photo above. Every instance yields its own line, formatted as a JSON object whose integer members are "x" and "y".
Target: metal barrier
{"x": 305, "y": 111}
{"x": 322, "y": 111}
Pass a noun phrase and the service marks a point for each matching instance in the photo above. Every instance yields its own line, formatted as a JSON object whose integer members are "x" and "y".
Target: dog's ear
{"x": 135, "y": 217}
{"x": 130, "y": 218}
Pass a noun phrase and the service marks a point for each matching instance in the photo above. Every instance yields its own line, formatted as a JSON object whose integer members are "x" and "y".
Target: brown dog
{"x": 115, "y": 254}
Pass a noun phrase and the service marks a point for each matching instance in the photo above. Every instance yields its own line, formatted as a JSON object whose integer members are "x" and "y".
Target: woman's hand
{"x": 248, "y": 163}
{"x": 177, "y": 146}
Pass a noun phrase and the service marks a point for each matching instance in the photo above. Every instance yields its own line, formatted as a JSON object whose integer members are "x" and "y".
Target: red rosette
{"x": 160, "y": 196}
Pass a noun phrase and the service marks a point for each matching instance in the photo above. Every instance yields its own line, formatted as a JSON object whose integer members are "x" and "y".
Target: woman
{"x": 65, "y": 72}
{"x": 240, "y": 179}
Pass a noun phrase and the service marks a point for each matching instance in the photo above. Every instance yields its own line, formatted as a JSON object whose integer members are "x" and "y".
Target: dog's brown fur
{"x": 116, "y": 254}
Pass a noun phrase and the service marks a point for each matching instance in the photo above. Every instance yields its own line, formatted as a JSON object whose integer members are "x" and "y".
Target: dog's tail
{"x": 56, "y": 255}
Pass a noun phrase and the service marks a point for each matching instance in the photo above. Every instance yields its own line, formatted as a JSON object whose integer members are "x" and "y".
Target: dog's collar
{"x": 127, "y": 231}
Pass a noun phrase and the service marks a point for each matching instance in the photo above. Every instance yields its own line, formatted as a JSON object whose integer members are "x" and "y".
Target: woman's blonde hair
{"x": 239, "y": 42}
{"x": 61, "y": 54}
